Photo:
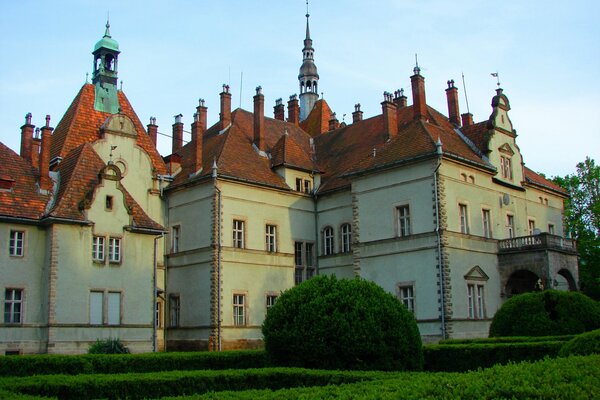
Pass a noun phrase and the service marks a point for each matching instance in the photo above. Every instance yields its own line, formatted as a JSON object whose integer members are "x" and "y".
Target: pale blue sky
{"x": 174, "y": 52}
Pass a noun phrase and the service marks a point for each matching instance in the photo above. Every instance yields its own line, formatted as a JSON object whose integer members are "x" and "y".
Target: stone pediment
{"x": 476, "y": 274}
{"x": 505, "y": 148}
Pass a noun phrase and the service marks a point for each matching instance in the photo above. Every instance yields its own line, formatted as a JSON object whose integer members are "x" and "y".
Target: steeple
{"x": 308, "y": 77}
{"x": 106, "y": 54}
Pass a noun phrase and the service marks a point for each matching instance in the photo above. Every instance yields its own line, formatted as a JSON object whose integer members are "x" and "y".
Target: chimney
{"x": 177, "y": 134}
{"x": 333, "y": 122}
{"x": 153, "y": 130}
{"x": 45, "y": 181}
{"x": 225, "y": 115}
{"x": 27, "y": 138}
{"x": 357, "y": 115}
{"x": 418, "y": 92}
{"x": 35, "y": 149}
{"x": 400, "y": 99}
{"x": 279, "y": 110}
{"x": 467, "y": 119}
{"x": 198, "y": 129}
{"x": 452, "y": 97}
{"x": 202, "y": 112}
{"x": 390, "y": 119}
{"x": 259, "y": 120}
{"x": 294, "y": 110}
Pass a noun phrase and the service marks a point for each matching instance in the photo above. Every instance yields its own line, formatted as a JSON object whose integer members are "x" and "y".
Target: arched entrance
{"x": 564, "y": 281}
{"x": 522, "y": 281}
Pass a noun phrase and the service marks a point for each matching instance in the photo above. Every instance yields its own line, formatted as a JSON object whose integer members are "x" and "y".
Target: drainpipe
{"x": 218, "y": 241}
{"x": 316, "y": 246}
{"x": 155, "y": 282}
{"x": 439, "y": 238}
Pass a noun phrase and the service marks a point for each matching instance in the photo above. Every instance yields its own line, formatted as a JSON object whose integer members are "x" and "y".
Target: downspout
{"x": 218, "y": 243}
{"x": 439, "y": 238}
{"x": 316, "y": 246}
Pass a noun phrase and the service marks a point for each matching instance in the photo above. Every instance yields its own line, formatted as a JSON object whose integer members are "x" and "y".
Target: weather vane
{"x": 497, "y": 76}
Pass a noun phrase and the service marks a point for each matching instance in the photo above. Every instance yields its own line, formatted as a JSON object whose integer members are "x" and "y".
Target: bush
{"x": 584, "y": 344}
{"x": 108, "y": 346}
{"x": 328, "y": 323}
{"x": 510, "y": 339}
{"x": 546, "y": 313}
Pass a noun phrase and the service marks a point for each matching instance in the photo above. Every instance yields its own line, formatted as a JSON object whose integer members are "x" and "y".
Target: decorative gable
{"x": 119, "y": 124}
{"x": 476, "y": 274}
{"x": 506, "y": 149}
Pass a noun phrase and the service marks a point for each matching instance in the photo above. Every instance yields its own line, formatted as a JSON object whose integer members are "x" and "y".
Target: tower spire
{"x": 308, "y": 77}
{"x": 104, "y": 76}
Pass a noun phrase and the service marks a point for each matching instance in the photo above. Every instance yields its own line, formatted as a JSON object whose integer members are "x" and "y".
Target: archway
{"x": 564, "y": 281}
{"x": 522, "y": 281}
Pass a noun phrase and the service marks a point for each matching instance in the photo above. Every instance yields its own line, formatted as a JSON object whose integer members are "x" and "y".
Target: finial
{"x": 450, "y": 83}
{"x": 215, "y": 168}
{"x": 121, "y": 88}
{"x": 357, "y": 107}
{"x": 497, "y": 76}
{"x": 307, "y": 14}
{"x": 87, "y": 75}
{"x": 416, "y": 70}
{"x": 152, "y": 120}
{"x": 438, "y": 146}
{"x": 259, "y": 89}
{"x": 47, "y": 121}
{"x": 107, "y": 31}
{"x": 201, "y": 102}
{"x": 28, "y": 118}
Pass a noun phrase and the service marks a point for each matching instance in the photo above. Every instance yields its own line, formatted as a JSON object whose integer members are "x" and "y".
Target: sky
{"x": 547, "y": 55}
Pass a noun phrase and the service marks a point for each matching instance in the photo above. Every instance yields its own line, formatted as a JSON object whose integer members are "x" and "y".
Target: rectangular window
{"x": 175, "y": 232}
{"x": 475, "y": 294}
{"x": 487, "y": 223}
{"x": 114, "y": 308}
{"x": 403, "y": 220}
{"x": 506, "y": 167}
{"x": 271, "y": 299}
{"x": 109, "y": 202}
{"x": 298, "y": 184}
{"x": 238, "y": 233}
{"x": 346, "y": 238}
{"x": 174, "y": 310}
{"x": 271, "y": 238}
{"x": 239, "y": 312}
{"x": 407, "y": 297}
{"x": 96, "y": 308}
{"x": 298, "y": 253}
{"x": 480, "y": 304}
{"x": 16, "y": 243}
{"x": 306, "y": 186}
{"x": 531, "y": 227}
{"x": 304, "y": 260}
{"x": 114, "y": 250}
{"x": 98, "y": 248}
{"x": 13, "y": 306}
{"x": 551, "y": 229}
{"x": 159, "y": 313}
{"x": 327, "y": 241}
{"x": 464, "y": 218}
{"x": 510, "y": 226}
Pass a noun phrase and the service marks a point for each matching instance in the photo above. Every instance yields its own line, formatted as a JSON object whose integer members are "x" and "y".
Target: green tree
{"x": 582, "y": 219}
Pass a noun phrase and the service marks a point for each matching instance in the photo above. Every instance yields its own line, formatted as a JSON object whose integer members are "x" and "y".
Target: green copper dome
{"x": 107, "y": 41}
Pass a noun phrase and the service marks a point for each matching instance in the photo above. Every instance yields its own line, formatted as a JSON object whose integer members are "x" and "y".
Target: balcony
{"x": 543, "y": 241}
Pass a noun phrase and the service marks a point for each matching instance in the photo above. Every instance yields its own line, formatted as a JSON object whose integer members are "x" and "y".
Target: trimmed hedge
{"x": 466, "y": 357}
{"x": 342, "y": 324}
{"x": 154, "y": 385}
{"x": 510, "y": 339}
{"x": 546, "y": 313}
{"x": 563, "y": 378}
{"x": 122, "y": 363}
{"x": 584, "y": 344}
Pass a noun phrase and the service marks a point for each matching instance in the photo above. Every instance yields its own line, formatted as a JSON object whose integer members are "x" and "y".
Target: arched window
{"x": 346, "y": 233}
{"x": 327, "y": 240}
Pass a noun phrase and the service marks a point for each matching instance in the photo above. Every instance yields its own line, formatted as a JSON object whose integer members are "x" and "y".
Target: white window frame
{"x": 486, "y": 218}
{"x": 346, "y": 237}
{"x": 114, "y": 303}
{"x": 476, "y": 300}
{"x": 16, "y": 243}
{"x": 175, "y": 238}
{"x": 304, "y": 260}
{"x": 115, "y": 250}
{"x": 531, "y": 226}
{"x": 506, "y": 167}
{"x": 406, "y": 294}
{"x": 239, "y": 233}
{"x": 510, "y": 226}
{"x": 96, "y": 300}
{"x": 270, "y": 300}
{"x": 328, "y": 240}
{"x": 174, "y": 310}
{"x": 403, "y": 220}
{"x": 271, "y": 238}
{"x": 239, "y": 309}
{"x": 98, "y": 248}
{"x": 463, "y": 217}
{"x": 13, "y": 306}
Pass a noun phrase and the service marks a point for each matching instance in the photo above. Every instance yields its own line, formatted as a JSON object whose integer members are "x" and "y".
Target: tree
{"x": 582, "y": 220}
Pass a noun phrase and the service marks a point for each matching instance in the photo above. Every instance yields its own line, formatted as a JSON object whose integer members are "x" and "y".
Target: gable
{"x": 476, "y": 274}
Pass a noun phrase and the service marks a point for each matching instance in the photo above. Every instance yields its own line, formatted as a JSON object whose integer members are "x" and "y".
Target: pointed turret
{"x": 106, "y": 54}
{"x": 308, "y": 76}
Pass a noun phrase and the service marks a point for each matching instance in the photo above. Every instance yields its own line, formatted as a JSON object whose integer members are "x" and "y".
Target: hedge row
{"x": 562, "y": 378}
{"x": 465, "y": 357}
{"x": 122, "y": 363}
{"x": 510, "y": 339}
{"x": 175, "y": 383}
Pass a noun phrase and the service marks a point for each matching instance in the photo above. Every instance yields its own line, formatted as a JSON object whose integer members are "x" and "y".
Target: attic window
{"x": 6, "y": 183}
{"x": 109, "y": 202}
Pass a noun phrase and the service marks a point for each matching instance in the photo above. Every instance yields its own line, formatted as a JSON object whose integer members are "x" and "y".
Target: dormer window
{"x": 506, "y": 167}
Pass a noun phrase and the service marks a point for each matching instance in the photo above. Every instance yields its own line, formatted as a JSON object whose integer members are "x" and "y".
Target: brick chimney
{"x": 294, "y": 110}
{"x": 202, "y": 112}
{"x": 45, "y": 181}
{"x": 36, "y": 143}
{"x": 400, "y": 99}
{"x": 27, "y": 138}
{"x": 225, "y": 115}
{"x": 452, "y": 97}
{"x": 333, "y": 122}
{"x": 467, "y": 119}
{"x": 279, "y": 110}
{"x": 177, "y": 134}
{"x": 390, "y": 118}
{"x": 357, "y": 115}
{"x": 418, "y": 92}
{"x": 259, "y": 120}
{"x": 153, "y": 130}
{"x": 198, "y": 129}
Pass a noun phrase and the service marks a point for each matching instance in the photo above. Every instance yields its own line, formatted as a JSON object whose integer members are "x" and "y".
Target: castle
{"x": 101, "y": 236}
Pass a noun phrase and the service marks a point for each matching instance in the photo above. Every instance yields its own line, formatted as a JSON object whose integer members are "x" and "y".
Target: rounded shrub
{"x": 328, "y": 323}
{"x": 582, "y": 345}
{"x": 108, "y": 346}
{"x": 546, "y": 313}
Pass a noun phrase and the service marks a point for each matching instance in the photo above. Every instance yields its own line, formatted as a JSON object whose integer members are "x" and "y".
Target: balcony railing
{"x": 537, "y": 242}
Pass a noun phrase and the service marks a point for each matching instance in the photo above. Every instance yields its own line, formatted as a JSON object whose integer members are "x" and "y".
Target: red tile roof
{"x": 288, "y": 153}
{"x": 538, "y": 180}
{"x": 23, "y": 199}
{"x": 317, "y": 121}
{"x": 81, "y": 124}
